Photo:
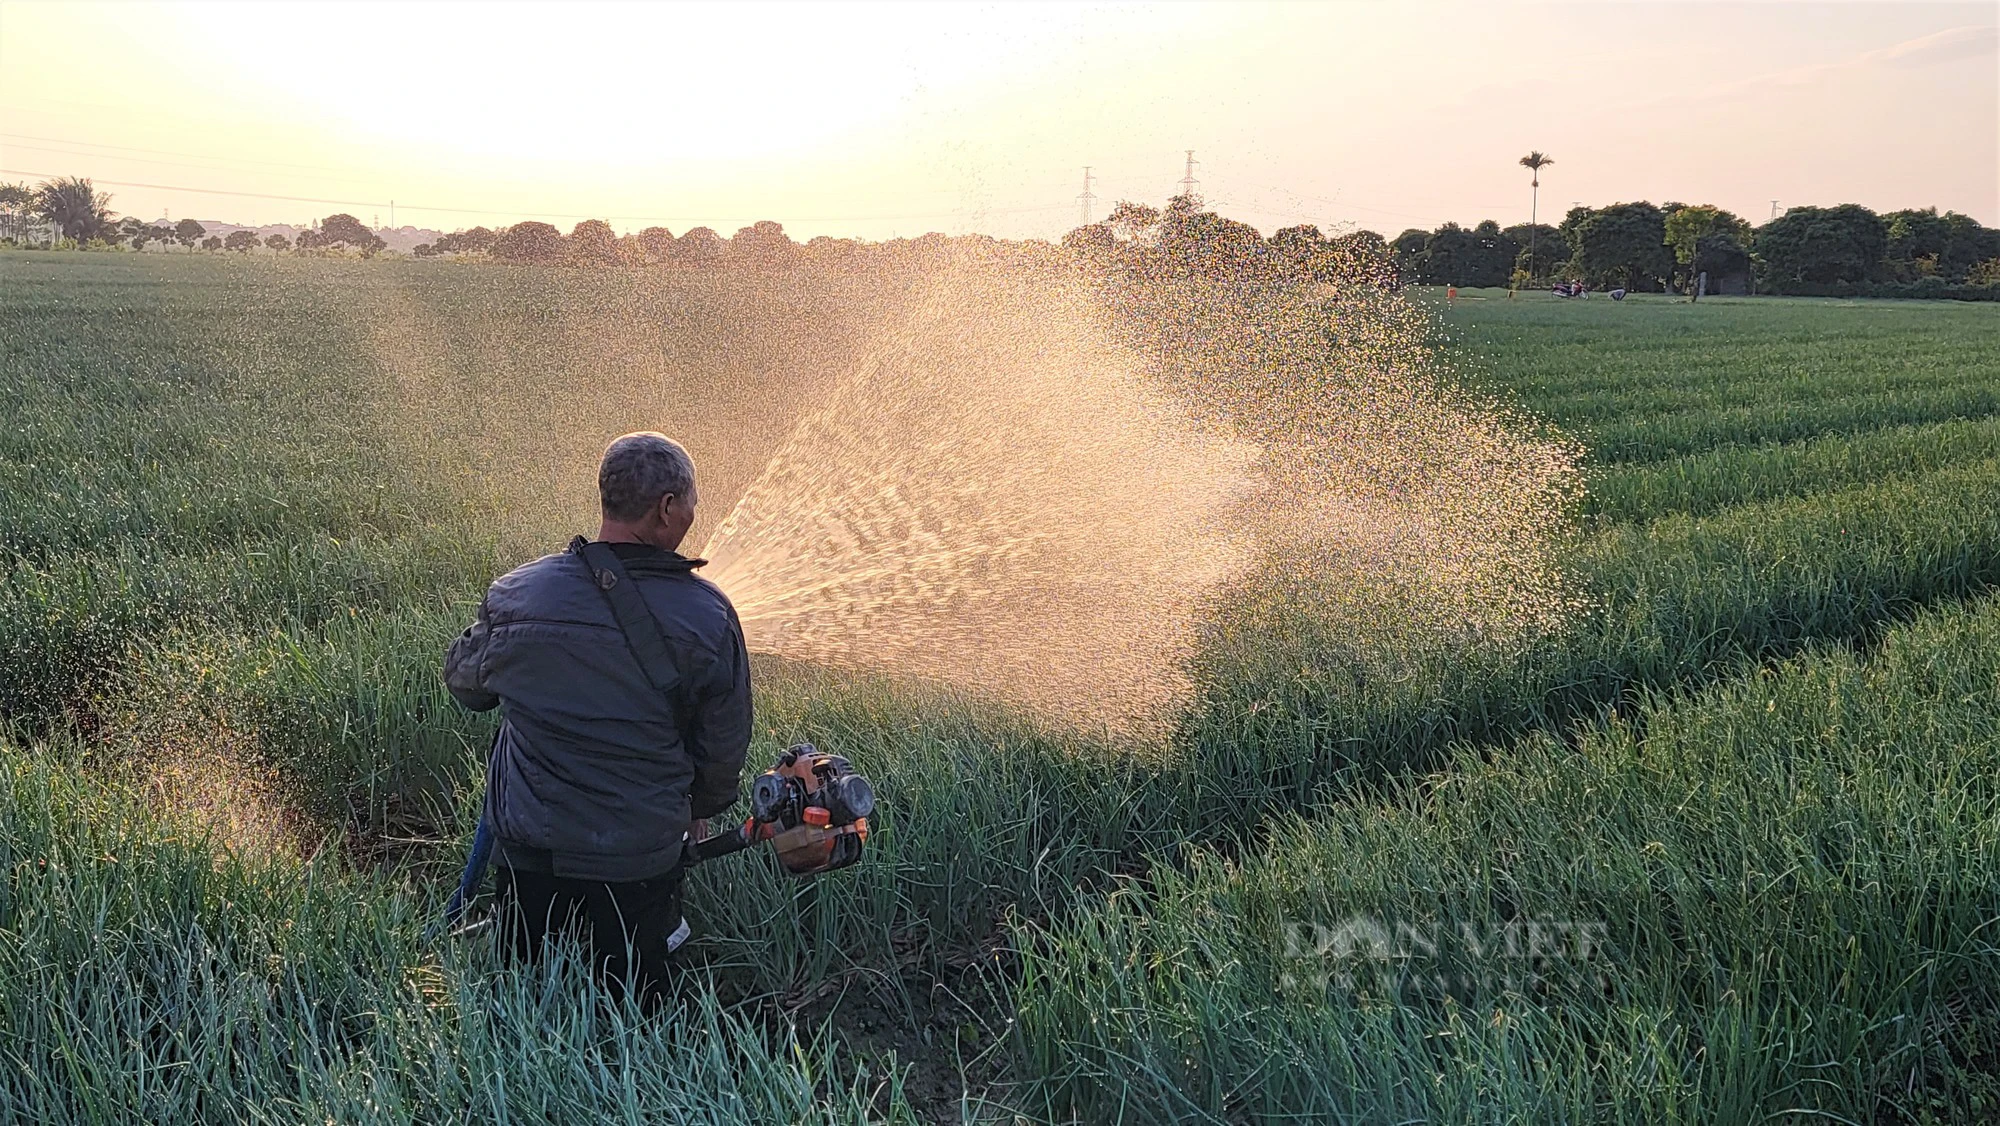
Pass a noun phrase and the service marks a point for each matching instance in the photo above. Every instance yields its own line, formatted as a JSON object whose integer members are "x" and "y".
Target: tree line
{"x": 594, "y": 243}
{"x": 82, "y": 216}
{"x": 764, "y": 243}
{"x": 1846, "y": 250}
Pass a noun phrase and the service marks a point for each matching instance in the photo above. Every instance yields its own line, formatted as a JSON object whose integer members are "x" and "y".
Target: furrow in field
{"x": 1679, "y": 601}
{"x": 1789, "y": 869}
{"x": 1712, "y": 481}
{"x": 1668, "y": 400}
{"x": 1640, "y": 440}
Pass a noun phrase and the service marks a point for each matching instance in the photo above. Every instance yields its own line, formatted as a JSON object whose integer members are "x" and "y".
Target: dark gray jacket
{"x": 595, "y": 773}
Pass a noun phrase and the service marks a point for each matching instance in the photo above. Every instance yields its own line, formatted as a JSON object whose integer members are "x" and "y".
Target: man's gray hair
{"x": 638, "y": 469}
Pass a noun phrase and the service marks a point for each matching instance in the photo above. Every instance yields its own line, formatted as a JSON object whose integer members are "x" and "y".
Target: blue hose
{"x": 474, "y": 875}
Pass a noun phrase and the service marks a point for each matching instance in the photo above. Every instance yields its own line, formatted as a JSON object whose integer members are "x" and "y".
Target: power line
{"x": 215, "y": 167}
{"x": 168, "y": 152}
{"x": 200, "y": 191}
{"x": 226, "y": 164}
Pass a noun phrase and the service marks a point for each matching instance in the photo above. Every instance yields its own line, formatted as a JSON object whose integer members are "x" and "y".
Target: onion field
{"x": 1727, "y": 848}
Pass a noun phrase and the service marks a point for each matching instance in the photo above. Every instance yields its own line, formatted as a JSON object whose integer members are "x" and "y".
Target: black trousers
{"x": 627, "y": 928}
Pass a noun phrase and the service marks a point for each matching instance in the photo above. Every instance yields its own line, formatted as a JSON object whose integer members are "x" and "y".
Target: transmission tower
{"x": 1087, "y": 198}
{"x": 1774, "y": 209}
{"x": 1189, "y": 185}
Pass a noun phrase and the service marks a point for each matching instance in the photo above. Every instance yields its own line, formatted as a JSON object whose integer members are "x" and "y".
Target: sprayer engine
{"x": 812, "y": 807}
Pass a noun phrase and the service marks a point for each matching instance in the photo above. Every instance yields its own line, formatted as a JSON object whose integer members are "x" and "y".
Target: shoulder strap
{"x": 635, "y": 618}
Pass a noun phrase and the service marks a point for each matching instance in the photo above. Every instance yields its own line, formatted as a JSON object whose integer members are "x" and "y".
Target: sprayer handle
{"x": 717, "y": 844}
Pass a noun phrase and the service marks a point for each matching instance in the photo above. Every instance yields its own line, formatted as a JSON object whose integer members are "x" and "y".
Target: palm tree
{"x": 1534, "y": 162}
{"x": 75, "y": 206}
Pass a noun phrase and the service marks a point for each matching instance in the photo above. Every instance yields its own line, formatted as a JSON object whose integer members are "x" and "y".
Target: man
{"x": 626, "y": 719}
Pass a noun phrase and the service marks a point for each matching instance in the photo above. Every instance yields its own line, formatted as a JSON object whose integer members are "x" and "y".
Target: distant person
{"x": 1618, "y": 294}
{"x": 1451, "y": 295}
{"x": 625, "y": 696}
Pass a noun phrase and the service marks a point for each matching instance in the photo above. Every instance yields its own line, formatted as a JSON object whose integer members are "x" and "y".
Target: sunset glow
{"x": 885, "y": 119}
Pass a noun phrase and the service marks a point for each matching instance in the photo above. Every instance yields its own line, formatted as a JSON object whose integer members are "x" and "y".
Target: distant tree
{"x": 77, "y": 209}
{"x": 187, "y": 232}
{"x": 700, "y": 245}
{"x": 1572, "y": 219}
{"x": 1822, "y": 245}
{"x": 278, "y": 242}
{"x": 1091, "y": 238}
{"x": 478, "y": 240}
{"x": 1195, "y": 242}
{"x": 1494, "y": 254}
{"x": 592, "y": 243}
{"x": 212, "y": 242}
{"x": 16, "y": 198}
{"x": 161, "y": 233}
{"x": 1543, "y": 249}
{"x": 240, "y": 241}
{"x": 132, "y": 230}
{"x": 1483, "y": 256}
{"x": 656, "y": 245}
{"x": 1724, "y": 257}
{"x": 424, "y": 250}
{"x": 826, "y": 248}
{"x": 529, "y": 242}
{"x": 1408, "y": 248}
{"x": 1361, "y": 255}
{"x": 1301, "y": 251}
{"x": 1924, "y": 243}
{"x": 1706, "y": 238}
{"x": 1133, "y": 222}
{"x": 1301, "y": 234}
{"x": 1916, "y": 243}
{"x": 1441, "y": 263}
{"x": 764, "y": 242}
{"x": 1623, "y": 245}
{"x": 1534, "y": 162}
{"x": 343, "y": 230}
{"x": 1362, "y": 242}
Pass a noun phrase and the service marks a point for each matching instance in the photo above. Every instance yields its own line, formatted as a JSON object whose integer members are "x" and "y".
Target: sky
{"x": 884, "y": 120}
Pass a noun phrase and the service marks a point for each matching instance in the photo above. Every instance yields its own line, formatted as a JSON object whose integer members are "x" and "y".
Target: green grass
{"x": 1714, "y": 480}
{"x": 1785, "y": 884}
{"x": 150, "y": 979}
{"x": 247, "y": 502}
{"x": 1651, "y": 379}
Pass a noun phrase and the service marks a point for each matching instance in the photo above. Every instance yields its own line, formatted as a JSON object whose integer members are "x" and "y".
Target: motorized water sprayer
{"x": 812, "y": 808}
